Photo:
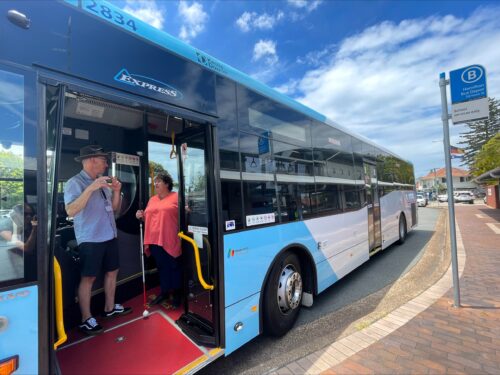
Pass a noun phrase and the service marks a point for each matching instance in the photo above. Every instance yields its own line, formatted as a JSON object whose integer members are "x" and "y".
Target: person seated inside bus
{"x": 160, "y": 238}
{"x": 18, "y": 237}
{"x": 92, "y": 200}
{"x": 19, "y": 229}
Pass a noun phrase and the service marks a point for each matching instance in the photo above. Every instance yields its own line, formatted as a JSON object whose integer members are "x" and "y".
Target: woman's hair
{"x": 166, "y": 178}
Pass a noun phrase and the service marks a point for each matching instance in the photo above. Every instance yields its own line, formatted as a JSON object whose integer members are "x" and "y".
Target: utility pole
{"x": 443, "y": 82}
{"x": 435, "y": 187}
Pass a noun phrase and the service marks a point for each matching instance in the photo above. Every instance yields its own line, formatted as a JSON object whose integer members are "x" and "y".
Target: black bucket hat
{"x": 91, "y": 151}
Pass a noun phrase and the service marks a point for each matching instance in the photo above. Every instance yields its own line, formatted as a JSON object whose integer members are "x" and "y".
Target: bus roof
{"x": 172, "y": 44}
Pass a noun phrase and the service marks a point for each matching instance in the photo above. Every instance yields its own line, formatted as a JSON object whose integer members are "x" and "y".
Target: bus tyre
{"x": 402, "y": 229}
{"x": 282, "y": 295}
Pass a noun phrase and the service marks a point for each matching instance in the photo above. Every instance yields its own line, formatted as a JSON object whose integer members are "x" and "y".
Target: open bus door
{"x": 198, "y": 234}
{"x": 373, "y": 201}
{"x": 167, "y": 341}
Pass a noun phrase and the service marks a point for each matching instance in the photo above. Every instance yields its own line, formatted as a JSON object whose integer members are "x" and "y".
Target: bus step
{"x": 375, "y": 250}
{"x": 198, "y": 330}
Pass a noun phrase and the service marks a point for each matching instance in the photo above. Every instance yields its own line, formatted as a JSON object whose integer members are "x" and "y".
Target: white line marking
{"x": 481, "y": 216}
{"x": 495, "y": 227}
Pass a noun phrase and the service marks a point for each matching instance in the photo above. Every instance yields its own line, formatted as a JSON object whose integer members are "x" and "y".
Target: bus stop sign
{"x": 467, "y": 84}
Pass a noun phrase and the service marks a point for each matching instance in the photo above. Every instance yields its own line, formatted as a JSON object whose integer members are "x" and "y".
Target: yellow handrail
{"x": 197, "y": 259}
{"x": 59, "y": 305}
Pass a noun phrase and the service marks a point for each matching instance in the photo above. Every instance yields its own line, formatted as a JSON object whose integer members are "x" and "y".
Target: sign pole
{"x": 449, "y": 185}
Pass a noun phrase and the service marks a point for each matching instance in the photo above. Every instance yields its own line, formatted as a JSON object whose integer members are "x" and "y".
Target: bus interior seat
{"x": 68, "y": 244}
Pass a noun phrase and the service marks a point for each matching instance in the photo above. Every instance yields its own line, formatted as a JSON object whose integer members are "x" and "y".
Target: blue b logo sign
{"x": 472, "y": 74}
{"x": 468, "y": 83}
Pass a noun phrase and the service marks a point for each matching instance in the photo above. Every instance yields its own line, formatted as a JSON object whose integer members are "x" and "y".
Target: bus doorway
{"x": 167, "y": 340}
{"x": 373, "y": 201}
{"x": 188, "y": 158}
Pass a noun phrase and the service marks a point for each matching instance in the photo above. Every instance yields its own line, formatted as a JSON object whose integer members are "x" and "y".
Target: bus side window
{"x": 231, "y": 204}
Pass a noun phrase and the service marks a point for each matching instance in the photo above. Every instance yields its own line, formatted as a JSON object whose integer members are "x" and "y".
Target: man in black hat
{"x": 92, "y": 200}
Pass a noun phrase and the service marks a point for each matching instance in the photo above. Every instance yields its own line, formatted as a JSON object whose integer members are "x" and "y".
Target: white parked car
{"x": 464, "y": 197}
{"x": 443, "y": 197}
{"x": 421, "y": 200}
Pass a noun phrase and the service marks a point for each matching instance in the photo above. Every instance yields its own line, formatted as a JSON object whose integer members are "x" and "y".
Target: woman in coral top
{"x": 160, "y": 237}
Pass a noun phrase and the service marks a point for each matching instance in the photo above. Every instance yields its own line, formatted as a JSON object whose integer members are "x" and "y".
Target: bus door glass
{"x": 373, "y": 201}
{"x": 197, "y": 223}
{"x": 20, "y": 283}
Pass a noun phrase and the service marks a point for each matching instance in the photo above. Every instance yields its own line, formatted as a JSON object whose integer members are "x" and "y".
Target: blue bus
{"x": 277, "y": 203}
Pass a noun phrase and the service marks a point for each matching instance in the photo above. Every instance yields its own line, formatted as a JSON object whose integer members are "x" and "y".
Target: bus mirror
{"x": 18, "y": 19}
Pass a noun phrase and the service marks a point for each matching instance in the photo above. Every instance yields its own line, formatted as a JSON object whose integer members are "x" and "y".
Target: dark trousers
{"x": 169, "y": 269}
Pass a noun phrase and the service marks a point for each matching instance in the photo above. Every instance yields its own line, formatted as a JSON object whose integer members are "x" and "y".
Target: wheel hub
{"x": 289, "y": 289}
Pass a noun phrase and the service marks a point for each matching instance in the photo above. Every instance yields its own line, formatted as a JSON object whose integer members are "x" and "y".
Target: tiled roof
{"x": 441, "y": 172}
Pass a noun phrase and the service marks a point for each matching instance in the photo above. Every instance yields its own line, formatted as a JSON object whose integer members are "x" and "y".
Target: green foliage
{"x": 198, "y": 184}
{"x": 394, "y": 169}
{"x": 11, "y": 180}
{"x": 489, "y": 156}
{"x": 480, "y": 132}
{"x": 155, "y": 168}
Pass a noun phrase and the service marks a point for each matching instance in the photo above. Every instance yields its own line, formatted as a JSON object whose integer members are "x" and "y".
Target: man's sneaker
{"x": 117, "y": 311}
{"x": 90, "y": 326}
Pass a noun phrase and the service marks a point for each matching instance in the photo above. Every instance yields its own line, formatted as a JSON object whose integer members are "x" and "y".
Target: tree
{"x": 155, "y": 168}
{"x": 489, "y": 156}
{"x": 480, "y": 132}
{"x": 11, "y": 180}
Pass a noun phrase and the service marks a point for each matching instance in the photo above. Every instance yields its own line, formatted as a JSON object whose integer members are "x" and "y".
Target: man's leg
{"x": 109, "y": 289}
{"x": 84, "y": 294}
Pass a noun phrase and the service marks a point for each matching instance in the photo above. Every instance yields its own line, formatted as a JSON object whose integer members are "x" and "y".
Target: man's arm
{"x": 6, "y": 235}
{"x": 6, "y": 229}
{"x": 79, "y": 203}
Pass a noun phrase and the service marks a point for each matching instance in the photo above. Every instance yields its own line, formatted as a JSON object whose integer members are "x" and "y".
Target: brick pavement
{"x": 427, "y": 334}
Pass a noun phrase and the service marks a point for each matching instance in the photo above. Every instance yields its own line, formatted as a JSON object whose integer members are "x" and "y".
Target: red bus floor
{"x": 131, "y": 344}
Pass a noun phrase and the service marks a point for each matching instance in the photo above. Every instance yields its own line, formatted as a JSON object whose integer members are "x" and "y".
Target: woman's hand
{"x": 139, "y": 214}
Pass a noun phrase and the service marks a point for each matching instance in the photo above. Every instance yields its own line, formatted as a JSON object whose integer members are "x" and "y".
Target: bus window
{"x": 17, "y": 217}
{"x": 258, "y": 114}
{"x": 231, "y": 205}
{"x": 159, "y": 160}
{"x": 294, "y": 174}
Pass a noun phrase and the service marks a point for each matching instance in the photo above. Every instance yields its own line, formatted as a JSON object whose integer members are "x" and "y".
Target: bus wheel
{"x": 402, "y": 229}
{"x": 282, "y": 295}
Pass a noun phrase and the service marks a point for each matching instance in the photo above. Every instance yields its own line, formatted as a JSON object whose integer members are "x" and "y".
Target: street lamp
{"x": 434, "y": 186}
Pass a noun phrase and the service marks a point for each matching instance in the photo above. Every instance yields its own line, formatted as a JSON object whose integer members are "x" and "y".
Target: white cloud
{"x": 288, "y": 88}
{"x": 253, "y": 20}
{"x": 316, "y": 58}
{"x": 194, "y": 19}
{"x": 245, "y": 21}
{"x": 265, "y": 50}
{"x": 147, "y": 11}
{"x": 305, "y": 4}
{"x": 383, "y": 81}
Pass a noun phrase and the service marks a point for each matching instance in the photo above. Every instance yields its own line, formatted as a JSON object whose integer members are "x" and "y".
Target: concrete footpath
{"x": 428, "y": 334}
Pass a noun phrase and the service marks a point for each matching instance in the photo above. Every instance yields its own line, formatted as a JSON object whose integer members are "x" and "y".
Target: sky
{"x": 371, "y": 66}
